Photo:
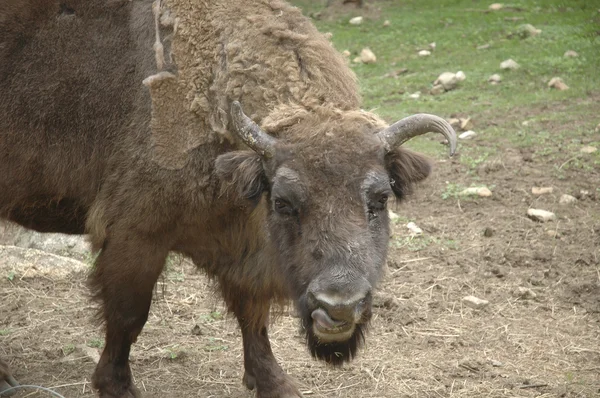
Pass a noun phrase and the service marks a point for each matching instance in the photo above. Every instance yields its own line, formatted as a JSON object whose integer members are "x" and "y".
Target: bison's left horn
{"x": 412, "y": 126}
{"x": 250, "y": 132}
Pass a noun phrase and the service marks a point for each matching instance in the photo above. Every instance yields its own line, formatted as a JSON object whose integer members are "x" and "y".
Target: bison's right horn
{"x": 250, "y": 132}
{"x": 412, "y": 126}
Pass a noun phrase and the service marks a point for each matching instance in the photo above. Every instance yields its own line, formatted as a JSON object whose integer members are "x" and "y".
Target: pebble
{"x": 386, "y": 22}
{"x": 552, "y": 233}
{"x": 432, "y": 45}
{"x": 496, "y": 6}
{"x": 393, "y": 216}
{"x": 437, "y": 90}
{"x": 415, "y": 95}
{"x": 541, "y": 190}
{"x": 496, "y": 364}
{"x": 588, "y": 149}
{"x": 474, "y": 302}
{"x": 448, "y": 80}
{"x": 460, "y": 75}
{"x": 367, "y": 56}
{"x": 495, "y": 78}
{"x": 567, "y": 199}
{"x": 346, "y": 53}
{"x": 424, "y": 53}
{"x": 509, "y": 64}
{"x": 540, "y": 215}
{"x": 467, "y": 135}
{"x": 525, "y": 293}
{"x": 571, "y": 54}
{"x": 528, "y": 30}
{"x": 478, "y": 191}
{"x": 414, "y": 229}
{"x": 356, "y": 21}
{"x": 557, "y": 83}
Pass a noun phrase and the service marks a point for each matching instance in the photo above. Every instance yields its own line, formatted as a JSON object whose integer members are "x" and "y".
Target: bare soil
{"x": 424, "y": 342}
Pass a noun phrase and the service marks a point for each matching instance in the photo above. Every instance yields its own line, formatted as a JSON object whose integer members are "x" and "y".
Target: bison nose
{"x": 334, "y": 309}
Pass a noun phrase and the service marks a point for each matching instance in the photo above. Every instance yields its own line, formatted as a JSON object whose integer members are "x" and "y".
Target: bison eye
{"x": 282, "y": 207}
{"x": 377, "y": 206}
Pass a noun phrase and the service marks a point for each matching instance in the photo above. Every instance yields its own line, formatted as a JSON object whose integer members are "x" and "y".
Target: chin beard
{"x": 334, "y": 352}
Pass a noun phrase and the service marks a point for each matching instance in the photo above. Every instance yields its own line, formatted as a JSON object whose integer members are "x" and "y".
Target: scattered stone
{"x": 588, "y": 149}
{"x": 496, "y": 6}
{"x": 541, "y": 190}
{"x": 483, "y": 47}
{"x": 346, "y": 53}
{"x": 386, "y": 23}
{"x": 495, "y": 78}
{"x": 467, "y": 135}
{"x": 367, "y": 56}
{"x": 488, "y": 232}
{"x": 567, "y": 199}
{"x": 465, "y": 123}
{"x": 328, "y": 35}
{"x": 415, "y": 95}
{"x": 474, "y": 302}
{"x": 424, "y": 53}
{"x": 509, "y": 64}
{"x": 356, "y": 21}
{"x": 571, "y": 54}
{"x": 393, "y": 216}
{"x": 496, "y": 364}
{"x": 460, "y": 75}
{"x": 437, "y": 90}
{"x": 552, "y": 233}
{"x": 527, "y": 30}
{"x": 483, "y": 192}
{"x": 432, "y": 45}
{"x": 414, "y": 229}
{"x": 557, "y": 83}
{"x": 525, "y": 293}
{"x": 448, "y": 80}
{"x": 196, "y": 331}
{"x": 540, "y": 215}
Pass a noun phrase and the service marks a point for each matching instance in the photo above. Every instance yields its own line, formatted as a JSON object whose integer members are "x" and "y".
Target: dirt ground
{"x": 540, "y": 341}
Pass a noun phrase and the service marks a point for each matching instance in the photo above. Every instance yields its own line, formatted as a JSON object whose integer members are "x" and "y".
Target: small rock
{"x": 567, "y": 199}
{"x": 465, "y": 123}
{"x": 356, "y": 21}
{"x": 460, "y": 75}
{"x": 424, "y": 53}
{"x": 488, "y": 232}
{"x": 541, "y": 190}
{"x": 528, "y": 30}
{"x": 571, "y": 54}
{"x": 393, "y": 216}
{"x": 557, "y": 83}
{"x": 496, "y": 364}
{"x": 448, "y": 80}
{"x": 525, "y": 293}
{"x": 196, "y": 331}
{"x": 496, "y": 6}
{"x": 540, "y": 215}
{"x": 495, "y": 78}
{"x": 346, "y": 53}
{"x": 415, "y": 95}
{"x": 367, "y": 56}
{"x": 386, "y": 23}
{"x": 414, "y": 229}
{"x": 552, "y": 233}
{"x": 328, "y": 35}
{"x": 588, "y": 149}
{"x": 454, "y": 122}
{"x": 467, "y": 135}
{"x": 474, "y": 302}
{"x": 483, "y": 47}
{"x": 477, "y": 191}
{"x": 509, "y": 64}
{"x": 437, "y": 90}
{"x": 432, "y": 45}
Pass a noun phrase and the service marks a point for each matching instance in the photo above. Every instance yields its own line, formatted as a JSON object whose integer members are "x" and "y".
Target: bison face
{"x": 327, "y": 186}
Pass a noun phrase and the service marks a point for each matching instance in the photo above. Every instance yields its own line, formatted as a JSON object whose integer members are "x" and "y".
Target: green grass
{"x": 458, "y": 27}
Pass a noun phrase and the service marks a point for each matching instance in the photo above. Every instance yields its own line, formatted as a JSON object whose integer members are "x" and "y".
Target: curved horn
{"x": 412, "y": 126}
{"x": 250, "y": 133}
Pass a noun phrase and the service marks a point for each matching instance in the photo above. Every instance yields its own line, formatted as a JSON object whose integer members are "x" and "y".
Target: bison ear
{"x": 406, "y": 168}
{"x": 242, "y": 175}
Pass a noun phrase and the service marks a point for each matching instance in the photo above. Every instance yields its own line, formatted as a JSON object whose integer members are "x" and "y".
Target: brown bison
{"x": 123, "y": 120}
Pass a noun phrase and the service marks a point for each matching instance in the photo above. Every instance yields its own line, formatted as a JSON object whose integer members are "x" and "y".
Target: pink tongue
{"x": 321, "y": 317}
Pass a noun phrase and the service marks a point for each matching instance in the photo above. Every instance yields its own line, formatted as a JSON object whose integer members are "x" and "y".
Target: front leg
{"x": 261, "y": 368}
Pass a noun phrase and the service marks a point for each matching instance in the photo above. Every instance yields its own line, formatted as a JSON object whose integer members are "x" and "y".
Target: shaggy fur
{"x": 150, "y": 168}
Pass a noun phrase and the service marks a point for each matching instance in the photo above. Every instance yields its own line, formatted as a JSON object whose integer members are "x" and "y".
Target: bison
{"x": 229, "y": 131}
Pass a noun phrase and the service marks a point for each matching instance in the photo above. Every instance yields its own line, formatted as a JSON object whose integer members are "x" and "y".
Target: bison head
{"x": 327, "y": 185}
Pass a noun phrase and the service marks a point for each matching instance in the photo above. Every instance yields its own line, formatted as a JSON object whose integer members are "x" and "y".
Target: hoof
{"x": 132, "y": 392}
{"x": 249, "y": 381}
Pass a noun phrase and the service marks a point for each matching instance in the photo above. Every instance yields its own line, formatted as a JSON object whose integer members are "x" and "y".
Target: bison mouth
{"x": 330, "y": 340}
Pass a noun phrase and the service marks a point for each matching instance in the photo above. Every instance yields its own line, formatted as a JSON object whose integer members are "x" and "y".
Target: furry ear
{"x": 242, "y": 175}
{"x": 406, "y": 168}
